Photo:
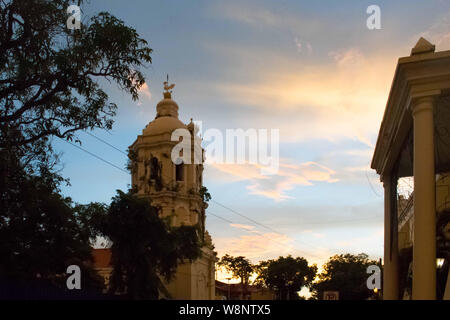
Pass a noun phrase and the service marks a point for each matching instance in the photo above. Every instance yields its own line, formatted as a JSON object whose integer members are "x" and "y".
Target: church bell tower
{"x": 176, "y": 190}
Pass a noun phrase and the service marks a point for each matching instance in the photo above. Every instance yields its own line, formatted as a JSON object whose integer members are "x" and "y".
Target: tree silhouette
{"x": 346, "y": 274}
{"x": 50, "y": 87}
{"x": 286, "y": 276}
{"x": 240, "y": 267}
{"x": 49, "y": 83}
{"x": 42, "y": 232}
{"x": 144, "y": 247}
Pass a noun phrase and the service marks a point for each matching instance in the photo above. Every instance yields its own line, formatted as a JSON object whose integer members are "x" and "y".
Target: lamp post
{"x": 228, "y": 288}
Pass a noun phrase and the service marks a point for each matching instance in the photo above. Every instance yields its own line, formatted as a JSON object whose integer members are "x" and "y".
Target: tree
{"x": 346, "y": 274}
{"x": 42, "y": 232}
{"x": 286, "y": 275}
{"x": 50, "y": 87}
{"x": 144, "y": 246}
{"x": 49, "y": 75}
{"x": 240, "y": 267}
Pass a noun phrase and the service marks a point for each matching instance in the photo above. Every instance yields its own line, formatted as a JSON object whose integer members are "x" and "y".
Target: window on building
{"x": 155, "y": 169}
{"x": 179, "y": 172}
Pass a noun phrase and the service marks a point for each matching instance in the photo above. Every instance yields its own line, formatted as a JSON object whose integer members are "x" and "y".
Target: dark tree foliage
{"x": 346, "y": 274}
{"x": 41, "y": 232}
{"x": 144, "y": 247}
{"x": 49, "y": 74}
{"x": 240, "y": 267}
{"x": 204, "y": 193}
{"x": 286, "y": 276}
{"x": 50, "y": 87}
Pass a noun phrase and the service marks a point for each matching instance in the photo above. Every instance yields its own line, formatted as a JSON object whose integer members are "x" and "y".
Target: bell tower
{"x": 176, "y": 190}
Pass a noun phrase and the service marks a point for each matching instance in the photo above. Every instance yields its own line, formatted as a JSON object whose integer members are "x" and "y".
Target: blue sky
{"x": 311, "y": 69}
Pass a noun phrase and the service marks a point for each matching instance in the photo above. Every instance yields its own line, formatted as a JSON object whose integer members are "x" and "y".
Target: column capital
{"x": 424, "y": 100}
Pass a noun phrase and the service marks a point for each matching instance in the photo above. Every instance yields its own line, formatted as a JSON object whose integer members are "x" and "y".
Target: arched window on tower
{"x": 179, "y": 172}
{"x": 155, "y": 169}
{"x": 155, "y": 173}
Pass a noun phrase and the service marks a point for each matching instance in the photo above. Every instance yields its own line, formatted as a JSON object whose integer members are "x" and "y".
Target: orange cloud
{"x": 274, "y": 187}
{"x": 347, "y": 58}
{"x": 255, "y": 247}
{"x": 438, "y": 33}
{"x": 145, "y": 91}
{"x": 257, "y": 16}
{"x": 342, "y": 97}
{"x": 242, "y": 226}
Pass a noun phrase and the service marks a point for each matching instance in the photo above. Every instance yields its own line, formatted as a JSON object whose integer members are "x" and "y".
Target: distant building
{"x": 414, "y": 143}
{"x": 239, "y": 291}
{"x": 175, "y": 189}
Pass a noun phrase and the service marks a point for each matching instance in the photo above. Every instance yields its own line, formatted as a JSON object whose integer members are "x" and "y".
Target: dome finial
{"x": 168, "y": 93}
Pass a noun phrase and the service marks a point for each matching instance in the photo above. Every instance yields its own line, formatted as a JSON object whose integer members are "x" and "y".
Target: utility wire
{"x": 283, "y": 245}
{"x": 212, "y": 200}
{"x": 262, "y": 225}
{"x": 370, "y": 184}
{"x": 209, "y": 212}
{"x": 244, "y": 216}
{"x": 223, "y": 206}
{"x": 107, "y": 143}
{"x": 96, "y": 156}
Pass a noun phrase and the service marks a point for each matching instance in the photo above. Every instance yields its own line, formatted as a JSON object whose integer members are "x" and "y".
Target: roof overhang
{"x": 415, "y": 76}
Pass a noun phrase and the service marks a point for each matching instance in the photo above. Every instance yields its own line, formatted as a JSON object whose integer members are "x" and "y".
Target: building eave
{"x": 414, "y": 75}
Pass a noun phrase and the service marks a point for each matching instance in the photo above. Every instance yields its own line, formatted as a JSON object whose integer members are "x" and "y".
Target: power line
{"x": 105, "y": 142}
{"x": 262, "y": 225}
{"x": 221, "y": 218}
{"x": 228, "y": 208}
{"x": 370, "y": 184}
{"x": 228, "y": 221}
{"x": 244, "y": 216}
{"x": 216, "y": 202}
{"x": 224, "y": 206}
{"x": 96, "y": 156}
{"x": 212, "y": 200}
{"x": 261, "y": 235}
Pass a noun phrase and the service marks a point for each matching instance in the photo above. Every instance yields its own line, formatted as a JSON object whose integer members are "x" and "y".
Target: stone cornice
{"x": 417, "y": 75}
{"x": 151, "y": 144}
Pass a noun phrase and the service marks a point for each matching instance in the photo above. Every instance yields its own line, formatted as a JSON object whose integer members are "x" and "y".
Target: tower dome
{"x": 166, "y": 120}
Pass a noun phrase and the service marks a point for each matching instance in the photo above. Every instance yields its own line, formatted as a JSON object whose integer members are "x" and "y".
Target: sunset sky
{"x": 311, "y": 69}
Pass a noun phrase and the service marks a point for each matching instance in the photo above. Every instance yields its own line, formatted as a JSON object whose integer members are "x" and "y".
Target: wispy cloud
{"x": 289, "y": 176}
{"x": 257, "y": 16}
{"x": 242, "y": 226}
{"x": 347, "y": 58}
{"x": 342, "y": 98}
{"x": 144, "y": 96}
{"x": 438, "y": 33}
{"x": 144, "y": 91}
{"x": 303, "y": 46}
{"x": 255, "y": 247}
{"x": 316, "y": 235}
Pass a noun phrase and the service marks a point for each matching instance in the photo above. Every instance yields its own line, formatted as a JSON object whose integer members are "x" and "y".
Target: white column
{"x": 424, "y": 248}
